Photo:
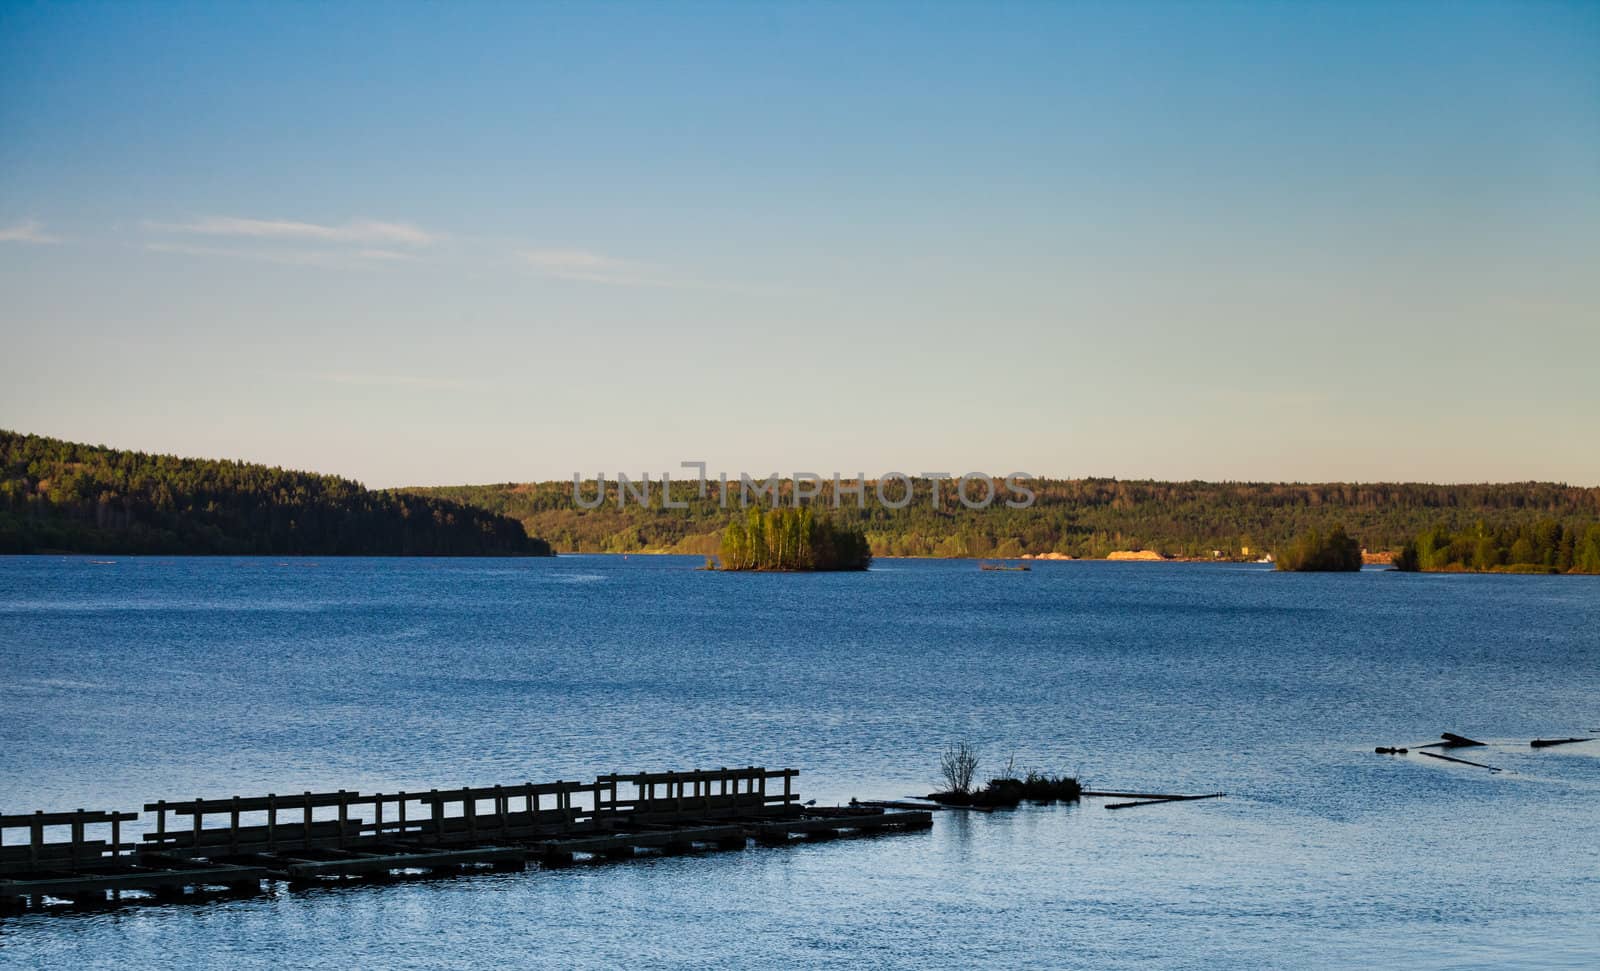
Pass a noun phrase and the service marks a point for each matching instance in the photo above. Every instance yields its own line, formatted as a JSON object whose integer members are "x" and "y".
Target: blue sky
{"x": 424, "y": 244}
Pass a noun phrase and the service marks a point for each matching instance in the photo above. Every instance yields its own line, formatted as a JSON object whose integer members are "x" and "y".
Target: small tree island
{"x": 792, "y": 540}
{"x": 1315, "y": 551}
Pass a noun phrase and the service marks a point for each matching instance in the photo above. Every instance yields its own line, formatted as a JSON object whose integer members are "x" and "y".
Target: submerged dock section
{"x": 232, "y": 845}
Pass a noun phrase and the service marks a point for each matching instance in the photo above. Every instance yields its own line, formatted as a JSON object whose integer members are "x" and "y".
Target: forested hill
{"x": 61, "y": 496}
{"x": 1077, "y": 517}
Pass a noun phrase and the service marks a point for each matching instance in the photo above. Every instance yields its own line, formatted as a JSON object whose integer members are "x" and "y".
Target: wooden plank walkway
{"x": 86, "y": 867}
{"x": 310, "y": 837}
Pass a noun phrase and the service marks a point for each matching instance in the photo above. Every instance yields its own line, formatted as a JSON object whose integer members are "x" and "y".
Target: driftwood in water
{"x": 1163, "y": 799}
{"x": 1130, "y": 795}
{"x": 1381, "y": 750}
{"x": 1448, "y": 758}
{"x": 1547, "y": 742}
{"x": 953, "y": 800}
{"x": 889, "y": 804}
{"x": 1458, "y": 741}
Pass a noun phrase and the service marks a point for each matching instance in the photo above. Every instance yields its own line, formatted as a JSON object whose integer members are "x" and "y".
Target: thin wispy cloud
{"x": 27, "y": 231}
{"x": 587, "y": 266}
{"x": 357, "y": 231}
{"x": 286, "y": 257}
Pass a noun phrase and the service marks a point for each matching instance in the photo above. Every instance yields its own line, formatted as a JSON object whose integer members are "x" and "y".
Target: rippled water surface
{"x": 140, "y": 679}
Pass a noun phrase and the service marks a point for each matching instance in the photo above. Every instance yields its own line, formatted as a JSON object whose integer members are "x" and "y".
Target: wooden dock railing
{"x": 277, "y": 823}
{"x": 78, "y": 851}
{"x": 255, "y": 824}
{"x": 514, "y": 812}
{"x": 703, "y": 791}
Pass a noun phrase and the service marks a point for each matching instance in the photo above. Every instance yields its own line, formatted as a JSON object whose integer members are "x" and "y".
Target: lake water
{"x": 125, "y": 682}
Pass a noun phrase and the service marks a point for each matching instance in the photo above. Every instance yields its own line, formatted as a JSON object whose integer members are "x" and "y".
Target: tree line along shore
{"x": 68, "y": 497}
{"x": 1541, "y": 546}
{"x": 1082, "y": 518}
{"x": 1103, "y": 518}
{"x": 58, "y": 496}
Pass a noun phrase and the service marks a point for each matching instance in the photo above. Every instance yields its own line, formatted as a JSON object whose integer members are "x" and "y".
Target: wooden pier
{"x": 232, "y": 845}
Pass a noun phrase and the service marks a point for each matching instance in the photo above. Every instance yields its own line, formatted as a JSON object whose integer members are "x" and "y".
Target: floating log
{"x": 944, "y": 803}
{"x": 889, "y": 804}
{"x": 1447, "y": 758}
{"x": 1458, "y": 741}
{"x": 1163, "y": 799}
{"x": 1130, "y": 795}
{"x": 1547, "y": 742}
{"x": 953, "y": 805}
{"x": 1381, "y": 750}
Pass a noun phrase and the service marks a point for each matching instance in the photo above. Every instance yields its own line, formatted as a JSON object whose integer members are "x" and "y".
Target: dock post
{"x": 344, "y": 815}
{"x": 555, "y": 858}
{"x": 244, "y": 887}
{"x": 77, "y": 838}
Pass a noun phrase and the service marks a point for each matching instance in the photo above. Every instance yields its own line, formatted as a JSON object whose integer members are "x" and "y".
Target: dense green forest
{"x": 1076, "y": 517}
{"x": 1333, "y": 551}
{"x": 60, "y": 496}
{"x": 1543, "y": 546}
{"x": 57, "y": 495}
{"x": 791, "y": 539}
